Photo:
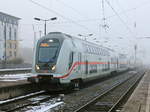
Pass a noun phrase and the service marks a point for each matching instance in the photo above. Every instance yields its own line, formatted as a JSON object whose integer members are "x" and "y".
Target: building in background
{"x": 8, "y": 37}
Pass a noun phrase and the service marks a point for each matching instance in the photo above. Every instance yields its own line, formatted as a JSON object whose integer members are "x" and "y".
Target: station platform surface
{"x": 12, "y": 83}
{"x": 7, "y": 80}
{"x": 139, "y": 101}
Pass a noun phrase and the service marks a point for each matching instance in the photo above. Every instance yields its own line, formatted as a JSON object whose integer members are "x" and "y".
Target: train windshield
{"x": 48, "y": 51}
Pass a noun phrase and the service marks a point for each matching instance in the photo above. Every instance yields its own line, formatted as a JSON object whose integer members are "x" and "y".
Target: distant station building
{"x": 8, "y": 36}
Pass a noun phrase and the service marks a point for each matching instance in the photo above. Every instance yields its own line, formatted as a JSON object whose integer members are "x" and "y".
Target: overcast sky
{"x": 84, "y": 17}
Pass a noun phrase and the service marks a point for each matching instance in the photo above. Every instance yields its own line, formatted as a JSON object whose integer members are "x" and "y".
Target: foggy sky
{"x": 87, "y": 15}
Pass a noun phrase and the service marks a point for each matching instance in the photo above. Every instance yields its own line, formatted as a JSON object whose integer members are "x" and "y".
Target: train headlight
{"x": 37, "y": 67}
{"x": 53, "y": 67}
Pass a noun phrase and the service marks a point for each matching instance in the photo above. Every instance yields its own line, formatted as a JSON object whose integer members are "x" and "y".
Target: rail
{"x": 109, "y": 100}
{"x": 39, "y": 101}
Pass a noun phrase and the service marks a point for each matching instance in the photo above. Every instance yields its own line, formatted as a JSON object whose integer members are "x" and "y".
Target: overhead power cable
{"x": 52, "y": 11}
{"x": 105, "y": 26}
{"x": 107, "y": 17}
{"x": 97, "y": 19}
{"x": 72, "y": 8}
{"x": 119, "y": 16}
{"x": 121, "y": 7}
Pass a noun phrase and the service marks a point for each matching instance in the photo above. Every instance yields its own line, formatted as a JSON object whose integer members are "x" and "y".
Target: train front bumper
{"x": 48, "y": 82}
{"x": 43, "y": 79}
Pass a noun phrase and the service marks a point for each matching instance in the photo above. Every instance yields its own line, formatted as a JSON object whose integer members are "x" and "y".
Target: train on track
{"x": 63, "y": 60}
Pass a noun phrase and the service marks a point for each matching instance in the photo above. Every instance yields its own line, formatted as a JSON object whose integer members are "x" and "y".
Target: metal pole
{"x": 5, "y": 43}
{"x": 135, "y": 48}
{"x": 40, "y": 32}
{"x": 34, "y": 41}
{"x": 45, "y": 27}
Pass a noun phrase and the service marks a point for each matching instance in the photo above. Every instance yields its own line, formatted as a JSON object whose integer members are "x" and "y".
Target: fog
{"x": 126, "y": 22}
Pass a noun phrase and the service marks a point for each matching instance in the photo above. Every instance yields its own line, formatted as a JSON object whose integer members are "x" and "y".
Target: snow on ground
{"x": 134, "y": 72}
{"x": 45, "y": 107}
{"x": 15, "y": 77}
{"x": 20, "y": 97}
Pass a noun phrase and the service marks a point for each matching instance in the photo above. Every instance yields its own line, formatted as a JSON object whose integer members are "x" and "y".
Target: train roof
{"x": 72, "y": 37}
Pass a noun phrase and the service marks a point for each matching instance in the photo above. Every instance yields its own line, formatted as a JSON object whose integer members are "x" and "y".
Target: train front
{"x": 45, "y": 60}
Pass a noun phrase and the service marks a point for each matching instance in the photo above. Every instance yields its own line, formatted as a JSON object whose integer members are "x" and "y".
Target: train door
{"x": 117, "y": 63}
{"x": 70, "y": 60}
{"x": 86, "y": 67}
{"x": 80, "y": 65}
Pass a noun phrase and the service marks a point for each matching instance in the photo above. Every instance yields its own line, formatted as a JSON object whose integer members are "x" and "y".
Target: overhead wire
{"x": 72, "y": 8}
{"x": 97, "y": 19}
{"x": 119, "y": 17}
{"x": 105, "y": 26}
{"x": 121, "y": 7}
{"x": 52, "y": 11}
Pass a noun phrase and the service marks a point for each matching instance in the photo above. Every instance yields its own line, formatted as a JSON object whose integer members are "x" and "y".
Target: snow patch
{"x": 15, "y": 77}
{"x": 45, "y": 107}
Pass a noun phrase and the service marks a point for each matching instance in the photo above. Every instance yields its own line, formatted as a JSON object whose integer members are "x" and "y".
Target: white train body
{"x": 61, "y": 58}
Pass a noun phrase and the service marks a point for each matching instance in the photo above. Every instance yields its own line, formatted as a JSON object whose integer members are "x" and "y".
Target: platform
{"x": 139, "y": 101}
{"x": 11, "y": 89}
{"x": 7, "y": 80}
{"x": 12, "y": 83}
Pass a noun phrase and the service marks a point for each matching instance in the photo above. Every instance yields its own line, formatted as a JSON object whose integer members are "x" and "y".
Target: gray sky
{"x": 84, "y": 17}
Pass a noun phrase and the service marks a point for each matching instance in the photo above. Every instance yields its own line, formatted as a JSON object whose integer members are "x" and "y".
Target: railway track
{"x": 31, "y": 102}
{"x": 111, "y": 99}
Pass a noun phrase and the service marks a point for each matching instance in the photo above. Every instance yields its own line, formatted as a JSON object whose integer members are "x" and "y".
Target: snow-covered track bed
{"x": 40, "y": 101}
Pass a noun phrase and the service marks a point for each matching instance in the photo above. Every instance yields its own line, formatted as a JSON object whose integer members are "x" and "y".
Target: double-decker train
{"x": 62, "y": 60}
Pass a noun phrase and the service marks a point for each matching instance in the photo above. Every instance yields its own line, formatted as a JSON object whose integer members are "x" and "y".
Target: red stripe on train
{"x": 79, "y": 63}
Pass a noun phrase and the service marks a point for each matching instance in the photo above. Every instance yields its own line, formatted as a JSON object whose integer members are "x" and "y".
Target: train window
{"x": 70, "y": 59}
{"x": 48, "y": 51}
{"x": 92, "y": 50}
{"x": 73, "y": 43}
{"x": 104, "y": 53}
{"x": 47, "y": 54}
{"x": 99, "y": 51}
{"x": 95, "y": 50}
{"x": 88, "y": 49}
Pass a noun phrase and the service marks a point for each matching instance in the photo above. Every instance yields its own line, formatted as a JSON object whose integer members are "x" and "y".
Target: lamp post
{"x": 85, "y": 36}
{"x": 45, "y": 20}
{"x": 135, "y": 49}
{"x": 5, "y": 45}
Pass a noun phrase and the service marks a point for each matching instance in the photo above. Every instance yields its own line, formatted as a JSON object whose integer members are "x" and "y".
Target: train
{"x": 61, "y": 60}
